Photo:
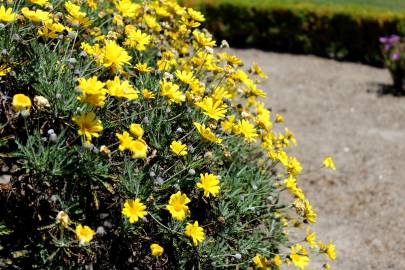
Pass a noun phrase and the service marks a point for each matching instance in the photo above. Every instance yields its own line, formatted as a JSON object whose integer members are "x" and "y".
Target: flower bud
{"x": 41, "y": 102}
{"x": 63, "y": 219}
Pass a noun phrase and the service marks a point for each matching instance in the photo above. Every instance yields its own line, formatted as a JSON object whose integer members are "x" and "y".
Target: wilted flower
{"x": 63, "y": 219}
{"x": 41, "y": 102}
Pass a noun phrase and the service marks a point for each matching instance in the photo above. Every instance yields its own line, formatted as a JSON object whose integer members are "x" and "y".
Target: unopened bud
{"x": 63, "y": 219}
{"x": 41, "y": 102}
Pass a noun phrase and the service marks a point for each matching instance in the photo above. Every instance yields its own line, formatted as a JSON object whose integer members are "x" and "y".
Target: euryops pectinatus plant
{"x": 133, "y": 140}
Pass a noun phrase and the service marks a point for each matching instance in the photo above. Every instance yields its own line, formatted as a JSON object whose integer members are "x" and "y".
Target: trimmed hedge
{"x": 344, "y": 33}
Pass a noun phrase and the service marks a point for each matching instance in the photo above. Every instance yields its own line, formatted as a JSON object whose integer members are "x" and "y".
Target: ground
{"x": 343, "y": 110}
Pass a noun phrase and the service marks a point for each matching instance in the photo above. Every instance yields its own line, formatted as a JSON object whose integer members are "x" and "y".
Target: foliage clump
{"x": 131, "y": 142}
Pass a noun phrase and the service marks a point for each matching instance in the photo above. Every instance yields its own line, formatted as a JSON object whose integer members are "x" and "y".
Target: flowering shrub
{"x": 130, "y": 143}
{"x": 333, "y": 29}
{"x": 393, "y": 49}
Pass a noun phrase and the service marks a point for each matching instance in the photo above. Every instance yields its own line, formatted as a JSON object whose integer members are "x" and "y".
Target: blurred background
{"x": 338, "y": 66}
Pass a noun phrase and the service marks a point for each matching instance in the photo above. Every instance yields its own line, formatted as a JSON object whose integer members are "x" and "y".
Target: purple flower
{"x": 394, "y": 39}
{"x": 387, "y": 47}
{"x": 383, "y": 40}
{"x": 395, "y": 56}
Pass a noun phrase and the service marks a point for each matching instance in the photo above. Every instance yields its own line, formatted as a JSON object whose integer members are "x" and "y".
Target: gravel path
{"x": 337, "y": 109}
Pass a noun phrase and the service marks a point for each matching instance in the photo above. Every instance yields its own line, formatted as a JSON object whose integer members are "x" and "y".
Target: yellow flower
{"x": 206, "y": 133}
{"x": 136, "y": 130}
{"x": 152, "y": 23}
{"x": 209, "y": 183}
{"x": 277, "y": 260}
{"x": 143, "y": 68}
{"x": 139, "y": 149}
{"x": 310, "y": 215}
{"x": 178, "y": 206}
{"x": 328, "y": 163}
{"x": 36, "y": 15}
{"x": 195, "y": 15}
{"x": 136, "y": 39}
{"x": 311, "y": 238}
{"x": 7, "y": 15}
{"x": 39, "y": 2}
{"x": 134, "y": 210}
{"x": 261, "y": 262}
{"x": 257, "y": 70}
{"x": 231, "y": 59}
{"x": 92, "y": 90}
{"x": 125, "y": 140}
{"x": 127, "y": 8}
{"x": 227, "y": 125}
{"x": 76, "y": 16}
{"x": 4, "y": 69}
{"x": 156, "y": 250}
{"x": 118, "y": 88}
{"x": 84, "y": 234}
{"x": 195, "y": 232}
{"x": 171, "y": 91}
{"x": 214, "y": 109}
{"x": 178, "y": 148}
{"x": 88, "y": 124}
{"x": 328, "y": 249}
{"x": 21, "y": 103}
{"x": 186, "y": 77}
{"x": 279, "y": 118}
{"x": 203, "y": 40}
{"x": 220, "y": 93}
{"x": 117, "y": 19}
{"x": 299, "y": 256}
{"x": 293, "y": 166}
{"x": 246, "y": 129}
{"x": 148, "y": 94}
{"x": 326, "y": 266}
{"x": 114, "y": 56}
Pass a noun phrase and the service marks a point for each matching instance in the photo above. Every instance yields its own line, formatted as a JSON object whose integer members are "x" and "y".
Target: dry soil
{"x": 344, "y": 110}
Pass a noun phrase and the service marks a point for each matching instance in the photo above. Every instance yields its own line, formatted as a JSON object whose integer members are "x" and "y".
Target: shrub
{"x": 131, "y": 143}
{"x": 343, "y": 33}
{"x": 393, "y": 48}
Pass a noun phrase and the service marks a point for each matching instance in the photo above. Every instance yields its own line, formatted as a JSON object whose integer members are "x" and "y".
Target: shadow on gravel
{"x": 383, "y": 89}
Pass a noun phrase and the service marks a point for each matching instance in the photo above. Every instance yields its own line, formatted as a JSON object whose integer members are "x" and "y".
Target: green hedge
{"x": 345, "y": 33}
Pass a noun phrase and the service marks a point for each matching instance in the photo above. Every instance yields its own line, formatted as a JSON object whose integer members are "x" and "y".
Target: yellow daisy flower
{"x": 328, "y": 163}
{"x": 178, "y": 148}
{"x": 209, "y": 183}
{"x": 134, "y": 210}
{"x": 195, "y": 232}
{"x": 88, "y": 124}
{"x": 84, "y": 234}
{"x": 178, "y": 206}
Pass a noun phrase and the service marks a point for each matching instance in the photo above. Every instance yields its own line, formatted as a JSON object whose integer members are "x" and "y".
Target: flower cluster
{"x": 129, "y": 118}
{"x": 393, "y": 48}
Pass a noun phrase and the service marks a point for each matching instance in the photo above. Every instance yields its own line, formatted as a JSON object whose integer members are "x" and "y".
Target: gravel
{"x": 340, "y": 109}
